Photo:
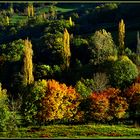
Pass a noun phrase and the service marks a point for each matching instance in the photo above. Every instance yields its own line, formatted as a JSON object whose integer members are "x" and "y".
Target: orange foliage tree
{"x": 107, "y": 105}
{"x": 51, "y": 101}
{"x": 132, "y": 94}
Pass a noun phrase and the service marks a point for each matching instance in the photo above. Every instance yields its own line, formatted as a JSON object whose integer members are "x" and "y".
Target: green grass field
{"x": 75, "y": 131}
{"x": 15, "y": 18}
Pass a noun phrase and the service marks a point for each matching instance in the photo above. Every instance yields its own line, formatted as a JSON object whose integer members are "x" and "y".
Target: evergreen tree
{"x": 121, "y": 36}
{"x": 28, "y": 77}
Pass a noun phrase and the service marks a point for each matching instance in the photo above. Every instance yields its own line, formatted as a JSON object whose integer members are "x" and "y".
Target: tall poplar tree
{"x": 70, "y": 21}
{"x": 28, "y": 11}
{"x": 32, "y": 10}
{"x": 7, "y": 20}
{"x": 66, "y": 49}
{"x": 28, "y": 77}
{"x": 121, "y": 36}
{"x": 138, "y": 49}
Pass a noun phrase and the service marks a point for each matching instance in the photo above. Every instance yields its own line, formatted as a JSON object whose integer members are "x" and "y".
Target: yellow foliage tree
{"x": 66, "y": 49}
{"x": 28, "y": 64}
{"x": 70, "y": 21}
{"x": 7, "y": 20}
{"x": 11, "y": 10}
{"x": 121, "y": 35}
{"x": 30, "y": 10}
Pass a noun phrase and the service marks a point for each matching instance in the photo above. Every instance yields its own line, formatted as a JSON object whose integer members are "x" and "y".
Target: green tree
{"x": 123, "y": 72}
{"x": 12, "y": 51}
{"x": 52, "y": 12}
{"x": 57, "y": 26}
{"x": 4, "y": 109}
{"x": 79, "y": 48}
{"x": 101, "y": 46}
{"x": 51, "y": 49}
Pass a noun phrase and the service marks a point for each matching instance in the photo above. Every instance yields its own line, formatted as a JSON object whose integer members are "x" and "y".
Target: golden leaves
{"x": 121, "y": 34}
{"x": 28, "y": 64}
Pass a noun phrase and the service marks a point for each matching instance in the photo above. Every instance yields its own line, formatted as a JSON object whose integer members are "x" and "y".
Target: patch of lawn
{"x": 15, "y": 18}
{"x": 78, "y": 131}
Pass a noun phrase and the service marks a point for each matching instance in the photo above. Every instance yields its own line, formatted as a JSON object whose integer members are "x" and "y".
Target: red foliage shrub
{"x": 132, "y": 95}
{"x": 132, "y": 91}
{"x": 107, "y": 104}
{"x": 99, "y": 106}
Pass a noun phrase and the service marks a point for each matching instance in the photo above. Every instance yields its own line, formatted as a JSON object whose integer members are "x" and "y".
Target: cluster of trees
{"x": 62, "y": 77}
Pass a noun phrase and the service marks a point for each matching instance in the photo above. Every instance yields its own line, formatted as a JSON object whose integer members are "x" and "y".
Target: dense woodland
{"x": 69, "y": 66}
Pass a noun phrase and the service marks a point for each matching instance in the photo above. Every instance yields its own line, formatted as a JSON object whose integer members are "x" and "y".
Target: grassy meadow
{"x": 75, "y": 131}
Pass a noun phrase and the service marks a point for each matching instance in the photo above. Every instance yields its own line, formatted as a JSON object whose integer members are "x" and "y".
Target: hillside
{"x": 75, "y": 64}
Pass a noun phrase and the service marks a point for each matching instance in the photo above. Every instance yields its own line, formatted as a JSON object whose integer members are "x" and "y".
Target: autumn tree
{"x": 7, "y": 20}
{"x": 66, "y": 49}
{"x": 28, "y": 64}
{"x": 30, "y": 10}
{"x": 11, "y": 9}
{"x": 70, "y": 21}
{"x": 121, "y": 36}
{"x": 50, "y": 101}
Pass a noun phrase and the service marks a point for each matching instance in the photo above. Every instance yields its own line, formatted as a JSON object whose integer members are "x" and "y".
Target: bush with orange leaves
{"x": 52, "y": 102}
{"x": 131, "y": 92}
{"x": 132, "y": 95}
{"x": 106, "y": 105}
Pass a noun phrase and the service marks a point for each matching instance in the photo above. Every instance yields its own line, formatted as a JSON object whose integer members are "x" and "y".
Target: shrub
{"x": 123, "y": 72}
{"x": 32, "y": 101}
{"x": 99, "y": 107}
{"x": 86, "y": 86}
{"x": 83, "y": 89}
{"x": 106, "y": 105}
{"x": 51, "y": 101}
{"x": 43, "y": 71}
{"x": 100, "y": 81}
{"x": 118, "y": 104}
{"x": 133, "y": 98}
{"x": 4, "y": 109}
{"x": 118, "y": 107}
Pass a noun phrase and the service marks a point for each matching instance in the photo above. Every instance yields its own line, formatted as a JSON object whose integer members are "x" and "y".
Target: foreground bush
{"x": 132, "y": 95}
{"x": 51, "y": 101}
{"x": 106, "y": 105}
{"x": 4, "y": 109}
